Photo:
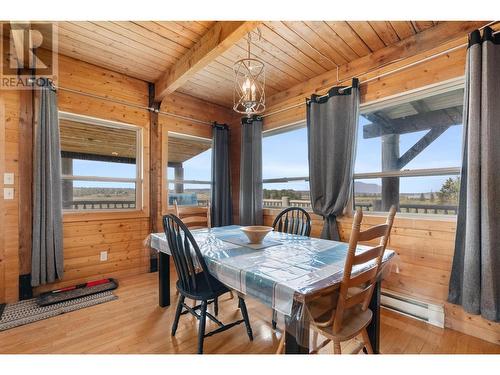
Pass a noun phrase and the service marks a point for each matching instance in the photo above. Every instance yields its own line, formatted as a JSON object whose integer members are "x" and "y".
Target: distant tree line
{"x": 278, "y": 194}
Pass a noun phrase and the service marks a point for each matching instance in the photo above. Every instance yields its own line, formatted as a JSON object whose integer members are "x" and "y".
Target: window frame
{"x": 138, "y": 180}
{"x": 400, "y": 98}
{"x": 184, "y": 181}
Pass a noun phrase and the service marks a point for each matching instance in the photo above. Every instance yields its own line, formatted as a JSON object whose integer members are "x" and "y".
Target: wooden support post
{"x": 154, "y": 172}
{"x": 67, "y": 185}
{"x": 26, "y": 136}
{"x": 390, "y": 159}
{"x": 155, "y": 161}
{"x": 179, "y": 175}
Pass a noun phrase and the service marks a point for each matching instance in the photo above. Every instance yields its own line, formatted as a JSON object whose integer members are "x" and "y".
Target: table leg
{"x": 292, "y": 346}
{"x": 293, "y": 326}
{"x": 374, "y": 326}
{"x": 164, "y": 278}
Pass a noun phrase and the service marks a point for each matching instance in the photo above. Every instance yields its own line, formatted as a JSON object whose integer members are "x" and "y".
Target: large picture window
{"x": 409, "y": 152}
{"x": 101, "y": 164}
{"x": 189, "y": 170}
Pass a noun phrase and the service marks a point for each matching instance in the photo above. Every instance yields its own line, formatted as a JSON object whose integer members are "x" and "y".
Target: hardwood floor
{"x": 136, "y": 324}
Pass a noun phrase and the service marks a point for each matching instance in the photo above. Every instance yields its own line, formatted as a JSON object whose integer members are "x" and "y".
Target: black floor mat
{"x": 50, "y": 298}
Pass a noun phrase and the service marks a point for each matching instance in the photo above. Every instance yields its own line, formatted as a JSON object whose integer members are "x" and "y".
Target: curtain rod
{"x": 122, "y": 102}
{"x": 431, "y": 57}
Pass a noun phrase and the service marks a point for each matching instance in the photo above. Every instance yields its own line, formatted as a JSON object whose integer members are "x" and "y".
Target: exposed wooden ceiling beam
{"x": 222, "y": 36}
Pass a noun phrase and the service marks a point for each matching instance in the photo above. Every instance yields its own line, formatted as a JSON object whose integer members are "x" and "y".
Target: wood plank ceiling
{"x": 293, "y": 51}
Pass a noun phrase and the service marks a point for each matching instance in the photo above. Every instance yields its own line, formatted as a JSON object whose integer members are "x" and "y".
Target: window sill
{"x": 97, "y": 215}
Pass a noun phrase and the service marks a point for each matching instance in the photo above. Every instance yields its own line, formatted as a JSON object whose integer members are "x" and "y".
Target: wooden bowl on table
{"x": 256, "y": 233}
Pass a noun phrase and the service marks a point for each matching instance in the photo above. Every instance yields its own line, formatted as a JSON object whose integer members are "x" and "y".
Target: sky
{"x": 445, "y": 151}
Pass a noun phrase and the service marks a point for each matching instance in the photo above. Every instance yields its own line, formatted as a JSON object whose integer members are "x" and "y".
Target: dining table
{"x": 286, "y": 272}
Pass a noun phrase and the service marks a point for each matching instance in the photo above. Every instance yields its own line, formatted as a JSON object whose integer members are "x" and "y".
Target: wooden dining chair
{"x": 194, "y": 217}
{"x": 196, "y": 282}
{"x": 292, "y": 220}
{"x": 351, "y": 315}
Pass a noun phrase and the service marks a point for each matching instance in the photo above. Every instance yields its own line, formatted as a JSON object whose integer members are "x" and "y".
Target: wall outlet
{"x": 8, "y": 178}
{"x": 8, "y": 193}
{"x": 104, "y": 256}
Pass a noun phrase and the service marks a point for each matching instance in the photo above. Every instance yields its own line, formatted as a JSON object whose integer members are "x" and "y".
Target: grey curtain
{"x": 475, "y": 275}
{"x": 47, "y": 249}
{"x": 221, "y": 181}
{"x": 332, "y": 122}
{"x": 251, "y": 172}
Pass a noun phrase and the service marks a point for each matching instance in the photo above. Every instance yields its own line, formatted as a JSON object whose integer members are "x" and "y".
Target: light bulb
{"x": 246, "y": 89}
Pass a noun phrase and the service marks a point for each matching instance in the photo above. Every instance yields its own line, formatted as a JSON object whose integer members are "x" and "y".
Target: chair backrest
{"x": 362, "y": 284}
{"x": 187, "y": 256}
{"x": 293, "y": 220}
{"x": 194, "y": 217}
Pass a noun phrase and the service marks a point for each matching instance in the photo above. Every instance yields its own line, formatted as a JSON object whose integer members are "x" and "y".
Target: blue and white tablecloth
{"x": 295, "y": 267}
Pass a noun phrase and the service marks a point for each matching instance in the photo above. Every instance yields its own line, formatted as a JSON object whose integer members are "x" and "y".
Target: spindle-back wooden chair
{"x": 293, "y": 220}
{"x": 196, "y": 282}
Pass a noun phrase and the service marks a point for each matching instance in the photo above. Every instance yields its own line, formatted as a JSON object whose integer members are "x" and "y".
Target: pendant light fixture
{"x": 249, "y": 96}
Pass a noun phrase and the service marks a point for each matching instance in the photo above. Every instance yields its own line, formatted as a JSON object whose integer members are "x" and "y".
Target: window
{"x": 285, "y": 168}
{"x": 101, "y": 164}
{"x": 189, "y": 170}
{"x": 409, "y": 152}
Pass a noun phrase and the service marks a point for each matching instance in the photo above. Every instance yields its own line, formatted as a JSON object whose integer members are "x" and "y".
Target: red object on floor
{"x": 86, "y": 285}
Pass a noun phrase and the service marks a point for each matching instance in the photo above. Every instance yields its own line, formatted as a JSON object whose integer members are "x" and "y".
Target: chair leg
{"x": 281, "y": 345}
{"x": 177, "y": 314}
{"x": 244, "y": 313}
{"x": 273, "y": 320}
{"x": 336, "y": 347}
{"x": 201, "y": 329}
{"x": 366, "y": 341}
{"x": 216, "y": 306}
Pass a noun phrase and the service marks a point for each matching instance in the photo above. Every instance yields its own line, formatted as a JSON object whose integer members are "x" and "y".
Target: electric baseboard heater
{"x": 409, "y": 306}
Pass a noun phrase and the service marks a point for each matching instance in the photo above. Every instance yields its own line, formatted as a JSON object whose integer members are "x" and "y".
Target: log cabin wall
{"x": 86, "y": 234}
{"x": 425, "y": 246}
{"x": 9, "y": 226}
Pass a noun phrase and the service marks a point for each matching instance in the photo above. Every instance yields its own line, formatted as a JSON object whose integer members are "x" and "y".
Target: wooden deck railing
{"x": 405, "y": 208}
{"x": 267, "y": 203}
{"x": 99, "y": 205}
